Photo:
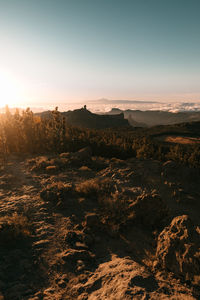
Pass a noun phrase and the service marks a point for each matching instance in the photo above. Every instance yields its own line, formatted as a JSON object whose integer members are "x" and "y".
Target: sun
{"x": 9, "y": 90}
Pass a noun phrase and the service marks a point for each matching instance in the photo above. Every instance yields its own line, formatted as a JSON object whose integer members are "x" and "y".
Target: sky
{"x": 72, "y": 50}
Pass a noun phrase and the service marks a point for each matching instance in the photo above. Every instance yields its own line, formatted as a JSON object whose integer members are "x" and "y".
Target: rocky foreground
{"x": 74, "y": 226}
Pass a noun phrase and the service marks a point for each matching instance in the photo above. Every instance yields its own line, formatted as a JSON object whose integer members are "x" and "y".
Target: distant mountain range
{"x": 107, "y": 101}
{"x": 121, "y": 118}
{"x": 138, "y": 118}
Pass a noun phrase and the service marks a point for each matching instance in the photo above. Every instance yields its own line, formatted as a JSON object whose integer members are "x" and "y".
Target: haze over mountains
{"x": 84, "y": 118}
{"x": 105, "y": 105}
{"x": 138, "y": 118}
{"x": 100, "y": 113}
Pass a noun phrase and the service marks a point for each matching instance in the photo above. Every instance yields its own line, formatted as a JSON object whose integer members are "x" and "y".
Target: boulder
{"x": 178, "y": 248}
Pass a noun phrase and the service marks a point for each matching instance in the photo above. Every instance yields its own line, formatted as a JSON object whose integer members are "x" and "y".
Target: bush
{"x": 58, "y": 193}
{"x": 38, "y": 164}
{"x": 96, "y": 187}
{"x": 14, "y": 229}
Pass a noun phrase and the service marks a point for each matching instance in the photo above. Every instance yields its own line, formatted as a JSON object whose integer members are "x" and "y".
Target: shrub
{"x": 14, "y": 229}
{"x": 38, "y": 164}
{"x": 95, "y": 187}
{"x": 58, "y": 193}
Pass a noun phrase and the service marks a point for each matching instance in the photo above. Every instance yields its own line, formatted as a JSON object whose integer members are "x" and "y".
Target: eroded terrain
{"x": 85, "y": 227}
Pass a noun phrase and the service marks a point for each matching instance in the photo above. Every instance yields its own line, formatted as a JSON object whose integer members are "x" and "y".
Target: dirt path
{"x": 19, "y": 193}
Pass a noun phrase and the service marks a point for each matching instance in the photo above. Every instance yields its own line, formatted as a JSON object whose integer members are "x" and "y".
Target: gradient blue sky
{"x": 62, "y": 50}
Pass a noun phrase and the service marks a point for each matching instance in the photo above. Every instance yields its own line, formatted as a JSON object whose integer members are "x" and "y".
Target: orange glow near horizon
{"x": 16, "y": 91}
{"x": 10, "y": 92}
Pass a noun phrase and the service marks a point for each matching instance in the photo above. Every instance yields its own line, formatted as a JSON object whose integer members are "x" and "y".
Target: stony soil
{"x": 138, "y": 240}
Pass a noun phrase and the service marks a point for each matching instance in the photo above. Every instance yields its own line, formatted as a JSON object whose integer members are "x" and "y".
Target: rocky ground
{"x": 80, "y": 227}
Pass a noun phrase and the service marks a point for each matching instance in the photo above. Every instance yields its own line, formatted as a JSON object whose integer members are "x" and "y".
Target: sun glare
{"x": 9, "y": 90}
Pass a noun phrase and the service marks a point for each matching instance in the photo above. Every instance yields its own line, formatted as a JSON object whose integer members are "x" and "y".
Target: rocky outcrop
{"x": 120, "y": 278}
{"x": 96, "y": 235}
{"x": 178, "y": 248}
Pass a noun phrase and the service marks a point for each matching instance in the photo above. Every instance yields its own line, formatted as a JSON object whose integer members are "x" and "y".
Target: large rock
{"x": 120, "y": 278}
{"x": 178, "y": 248}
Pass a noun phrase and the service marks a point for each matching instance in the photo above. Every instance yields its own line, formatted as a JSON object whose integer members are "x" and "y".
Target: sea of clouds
{"x": 105, "y": 106}
{"x": 102, "y": 107}
{"x": 171, "y": 107}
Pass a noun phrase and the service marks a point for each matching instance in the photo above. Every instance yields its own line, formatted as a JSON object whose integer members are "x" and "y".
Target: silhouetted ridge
{"x": 86, "y": 119}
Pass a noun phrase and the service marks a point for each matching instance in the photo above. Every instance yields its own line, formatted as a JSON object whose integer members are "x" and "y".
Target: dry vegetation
{"x": 78, "y": 226}
{"x": 27, "y": 133}
{"x": 14, "y": 229}
{"x": 179, "y": 139}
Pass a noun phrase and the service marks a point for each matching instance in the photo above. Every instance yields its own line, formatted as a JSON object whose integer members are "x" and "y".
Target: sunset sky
{"x": 67, "y": 50}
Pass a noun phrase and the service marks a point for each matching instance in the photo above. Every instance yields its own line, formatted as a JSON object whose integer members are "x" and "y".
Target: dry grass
{"x": 182, "y": 140}
{"x": 38, "y": 164}
{"x": 14, "y": 228}
{"x": 43, "y": 164}
{"x": 115, "y": 202}
{"x": 101, "y": 190}
{"x": 95, "y": 187}
{"x": 179, "y": 139}
{"x": 58, "y": 193}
